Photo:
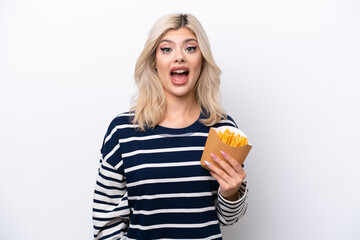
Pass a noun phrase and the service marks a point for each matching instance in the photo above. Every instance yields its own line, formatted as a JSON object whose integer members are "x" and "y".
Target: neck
{"x": 180, "y": 112}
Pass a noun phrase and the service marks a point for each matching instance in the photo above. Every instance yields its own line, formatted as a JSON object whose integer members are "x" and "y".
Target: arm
{"x": 231, "y": 202}
{"x": 110, "y": 208}
{"x": 229, "y": 212}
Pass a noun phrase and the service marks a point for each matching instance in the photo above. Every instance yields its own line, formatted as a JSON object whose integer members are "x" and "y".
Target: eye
{"x": 191, "y": 49}
{"x": 165, "y": 50}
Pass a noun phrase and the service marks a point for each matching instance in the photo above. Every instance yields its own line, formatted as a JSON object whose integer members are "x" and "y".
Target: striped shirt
{"x": 151, "y": 185}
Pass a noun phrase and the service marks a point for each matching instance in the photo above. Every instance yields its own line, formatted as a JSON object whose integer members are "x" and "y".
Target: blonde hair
{"x": 149, "y": 102}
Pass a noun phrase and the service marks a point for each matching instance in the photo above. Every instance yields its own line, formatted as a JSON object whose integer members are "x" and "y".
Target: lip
{"x": 179, "y": 83}
{"x": 179, "y": 68}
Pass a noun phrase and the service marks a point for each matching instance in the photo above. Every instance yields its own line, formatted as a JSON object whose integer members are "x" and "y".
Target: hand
{"x": 230, "y": 179}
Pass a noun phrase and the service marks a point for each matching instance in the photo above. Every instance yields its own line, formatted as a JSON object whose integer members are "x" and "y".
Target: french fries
{"x": 231, "y": 139}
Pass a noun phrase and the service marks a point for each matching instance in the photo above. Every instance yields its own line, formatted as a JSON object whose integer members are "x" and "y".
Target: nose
{"x": 179, "y": 57}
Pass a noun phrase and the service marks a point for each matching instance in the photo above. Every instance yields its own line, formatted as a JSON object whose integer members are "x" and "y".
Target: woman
{"x": 150, "y": 183}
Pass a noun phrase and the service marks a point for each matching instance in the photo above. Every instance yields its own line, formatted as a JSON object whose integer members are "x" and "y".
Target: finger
{"x": 227, "y": 173}
{"x": 226, "y": 166}
{"x": 219, "y": 172}
{"x": 234, "y": 164}
{"x": 221, "y": 181}
{"x": 234, "y": 171}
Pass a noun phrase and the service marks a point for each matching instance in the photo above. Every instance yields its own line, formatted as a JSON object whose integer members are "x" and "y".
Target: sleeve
{"x": 229, "y": 212}
{"x": 110, "y": 206}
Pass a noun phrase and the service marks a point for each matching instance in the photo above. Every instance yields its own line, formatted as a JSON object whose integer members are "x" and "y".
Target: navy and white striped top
{"x": 151, "y": 185}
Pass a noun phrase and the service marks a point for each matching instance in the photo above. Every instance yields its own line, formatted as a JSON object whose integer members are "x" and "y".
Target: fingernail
{"x": 207, "y": 163}
{"x": 224, "y": 154}
{"x": 213, "y": 156}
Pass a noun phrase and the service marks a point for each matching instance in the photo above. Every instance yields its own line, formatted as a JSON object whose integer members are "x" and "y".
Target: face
{"x": 178, "y": 62}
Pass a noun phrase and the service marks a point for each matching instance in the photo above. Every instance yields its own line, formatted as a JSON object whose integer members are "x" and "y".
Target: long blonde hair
{"x": 149, "y": 102}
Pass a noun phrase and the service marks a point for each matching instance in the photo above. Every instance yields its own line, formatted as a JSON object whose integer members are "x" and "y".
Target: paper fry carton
{"x": 215, "y": 145}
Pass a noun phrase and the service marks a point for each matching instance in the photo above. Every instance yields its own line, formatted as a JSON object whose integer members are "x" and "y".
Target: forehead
{"x": 179, "y": 33}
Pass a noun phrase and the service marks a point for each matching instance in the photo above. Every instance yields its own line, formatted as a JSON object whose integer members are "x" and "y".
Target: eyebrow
{"x": 187, "y": 40}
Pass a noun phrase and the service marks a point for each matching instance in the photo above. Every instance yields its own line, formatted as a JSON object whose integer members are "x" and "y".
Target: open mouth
{"x": 179, "y": 75}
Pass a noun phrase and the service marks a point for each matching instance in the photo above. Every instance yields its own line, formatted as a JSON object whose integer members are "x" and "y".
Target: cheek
{"x": 197, "y": 66}
{"x": 160, "y": 68}
{"x": 157, "y": 61}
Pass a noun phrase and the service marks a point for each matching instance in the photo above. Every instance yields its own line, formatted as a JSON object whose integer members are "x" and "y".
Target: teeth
{"x": 179, "y": 71}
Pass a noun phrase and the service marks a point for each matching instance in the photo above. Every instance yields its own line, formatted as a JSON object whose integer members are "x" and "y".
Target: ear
{"x": 153, "y": 62}
{"x": 155, "y": 68}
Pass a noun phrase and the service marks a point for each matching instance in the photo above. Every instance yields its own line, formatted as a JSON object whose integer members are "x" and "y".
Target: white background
{"x": 290, "y": 80}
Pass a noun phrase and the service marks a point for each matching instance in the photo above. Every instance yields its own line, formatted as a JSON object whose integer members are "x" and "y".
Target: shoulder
{"x": 121, "y": 121}
{"x": 122, "y": 118}
{"x": 228, "y": 121}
